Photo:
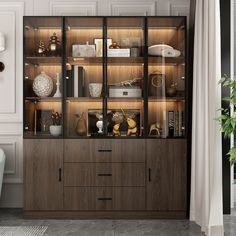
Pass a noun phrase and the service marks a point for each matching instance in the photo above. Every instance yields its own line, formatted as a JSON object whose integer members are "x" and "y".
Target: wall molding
{"x": 89, "y": 8}
{"x": 127, "y": 8}
{"x": 179, "y": 9}
{"x": 12, "y": 145}
{"x": 13, "y": 57}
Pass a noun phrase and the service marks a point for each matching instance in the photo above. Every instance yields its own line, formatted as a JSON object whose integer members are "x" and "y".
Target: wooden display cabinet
{"x": 122, "y": 149}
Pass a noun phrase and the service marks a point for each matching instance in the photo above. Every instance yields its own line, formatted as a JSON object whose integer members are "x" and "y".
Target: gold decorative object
{"x": 118, "y": 119}
{"x": 132, "y": 125}
{"x": 130, "y": 82}
{"x": 114, "y": 45}
{"x": 81, "y": 127}
{"x": 41, "y": 48}
{"x": 56, "y": 118}
{"x": 155, "y": 84}
{"x": 156, "y": 127}
{"x": 171, "y": 90}
{"x": 53, "y": 42}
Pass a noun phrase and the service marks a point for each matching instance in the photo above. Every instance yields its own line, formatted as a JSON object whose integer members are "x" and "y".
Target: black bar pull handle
{"x": 104, "y": 150}
{"x": 59, "y": 175}
{"x": 104, "y": 174}
{"x": 149, "y": 174}
{"x": 105, "y": 199}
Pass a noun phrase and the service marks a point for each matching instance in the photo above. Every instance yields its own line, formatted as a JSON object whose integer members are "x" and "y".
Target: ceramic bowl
{"x": 156, "y": 50}
{"x": 95, "y": 89}
{"x": 55, "y": 130}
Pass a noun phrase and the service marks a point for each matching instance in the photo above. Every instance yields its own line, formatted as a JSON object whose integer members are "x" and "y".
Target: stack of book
{"x": 175, "y": 124}
{"x": 75, "y": 82}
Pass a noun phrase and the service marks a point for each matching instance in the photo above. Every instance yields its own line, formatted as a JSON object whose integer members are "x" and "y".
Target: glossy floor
{"x": 104, "y": 227}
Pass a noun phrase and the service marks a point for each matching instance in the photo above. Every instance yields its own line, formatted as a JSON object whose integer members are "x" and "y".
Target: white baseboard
{"x": 12, "y": 196}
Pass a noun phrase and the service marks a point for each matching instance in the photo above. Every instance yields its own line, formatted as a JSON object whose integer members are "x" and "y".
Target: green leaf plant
{"x": 227, "y": 119}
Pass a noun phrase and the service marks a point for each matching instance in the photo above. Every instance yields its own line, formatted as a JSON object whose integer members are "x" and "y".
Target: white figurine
{"x": 58, "y": 93}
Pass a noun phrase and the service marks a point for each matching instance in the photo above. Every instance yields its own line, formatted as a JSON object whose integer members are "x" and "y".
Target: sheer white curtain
{"x": 206, "y": 182}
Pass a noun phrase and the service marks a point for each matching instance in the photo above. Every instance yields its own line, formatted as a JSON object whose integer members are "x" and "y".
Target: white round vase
{"x": 55, "y": 130}
{"x": 43, "y": 85}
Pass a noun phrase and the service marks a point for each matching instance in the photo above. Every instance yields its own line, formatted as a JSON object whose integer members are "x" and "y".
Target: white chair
{"x": 2, "y": 164}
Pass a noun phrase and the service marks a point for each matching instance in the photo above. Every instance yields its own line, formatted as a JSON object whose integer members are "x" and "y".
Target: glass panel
{"x": 42, "y": 77}
{"x": 166, "y": 77}
{"x": 125, "y": 76}
{"x": 84, "y": 80}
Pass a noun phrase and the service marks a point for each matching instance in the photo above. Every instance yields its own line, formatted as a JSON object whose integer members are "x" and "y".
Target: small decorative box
{"x": 120, "y": 52}
{"x": 121, "y": 91}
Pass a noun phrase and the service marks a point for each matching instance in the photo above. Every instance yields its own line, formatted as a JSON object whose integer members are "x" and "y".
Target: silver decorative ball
{"x": 42, "y": 85}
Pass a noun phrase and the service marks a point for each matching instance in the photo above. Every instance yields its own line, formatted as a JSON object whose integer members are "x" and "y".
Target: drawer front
{"x": 104, "y": 174}
{"x": 94, "y": 150}
{"x": 104, "y": 150}
{"x": 108, "y": 198}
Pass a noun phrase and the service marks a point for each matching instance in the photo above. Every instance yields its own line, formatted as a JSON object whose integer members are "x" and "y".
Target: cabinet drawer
{"x": 94, "y": 150}
{"x": 104, "y": 174}
{"x": 104, "y": 150}
{"x": 104, "y": 198}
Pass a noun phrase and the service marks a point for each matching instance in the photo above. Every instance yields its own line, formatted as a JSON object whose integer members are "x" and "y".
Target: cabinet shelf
{"x": 110, "y": 60}
{"x": 47, "y": 99}
{"x": 83, "y": 99}
{"x": 31, "y": 135}
{"x": 117, "y": 99}
{"x": 166, "y": 60}
{"x": 36, "y": 60}
{"x": 166, "y": 99}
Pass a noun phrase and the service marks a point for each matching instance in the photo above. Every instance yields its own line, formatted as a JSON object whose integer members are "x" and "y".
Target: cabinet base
{"x": 105, "y": 215}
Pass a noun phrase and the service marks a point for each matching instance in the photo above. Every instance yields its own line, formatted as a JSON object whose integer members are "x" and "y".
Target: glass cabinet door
{"x": 166, "y": 76}
{"x": 84, "y": 76}
{"x": 125, "y": 76}
{"x": 43, "y": 89}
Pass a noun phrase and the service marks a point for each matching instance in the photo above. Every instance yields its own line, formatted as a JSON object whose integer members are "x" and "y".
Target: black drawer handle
{"x": 104, "y": 174}
{"x": 104, "y": 150}
{"x": 59, "y": 175}
{"x": 105, "y": 199}
{"x": 149, "y": 175}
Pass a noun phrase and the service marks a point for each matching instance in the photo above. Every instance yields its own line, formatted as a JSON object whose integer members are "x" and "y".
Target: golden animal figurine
{"x": 132, "y": 125}
{"x": 118, "y": 119}
{"x": 155, "y": 128}
{"x": 116, "y": 130}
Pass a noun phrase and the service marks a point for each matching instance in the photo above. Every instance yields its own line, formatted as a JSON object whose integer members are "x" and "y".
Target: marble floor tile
{"x": 14, "y": 217}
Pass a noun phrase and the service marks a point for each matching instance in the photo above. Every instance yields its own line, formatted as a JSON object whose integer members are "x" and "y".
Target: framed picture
{"x": 98, "y": 43}
{"x": 84, "y": 50}
{"x": 42, "y": 121}
{"x": 93, "y": 115}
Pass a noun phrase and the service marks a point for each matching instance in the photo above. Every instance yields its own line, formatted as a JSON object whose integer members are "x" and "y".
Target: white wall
{"x": 11, "y": 79}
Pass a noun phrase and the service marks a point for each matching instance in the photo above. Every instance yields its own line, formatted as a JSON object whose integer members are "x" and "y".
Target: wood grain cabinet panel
{"x": 94, "y": 150}
{"x": 104, "y": 150}
{"x": 43, "y": 174}
{"x": 104, "y": 198}
{"x": 167, "y": 175}
{"x": 129, "y": 150}
{"x": 104, "y": 174}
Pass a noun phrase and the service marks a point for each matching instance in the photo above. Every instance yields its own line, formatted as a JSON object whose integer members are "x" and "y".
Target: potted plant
{"x": 56, "y": 128}
{"x": 227, "y": 118}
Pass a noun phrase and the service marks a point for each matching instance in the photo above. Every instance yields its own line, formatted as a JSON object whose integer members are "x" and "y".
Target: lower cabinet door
{"x": 104, "y": 198}
{"x": 167, "y": 175}
{"x": 43, "y": 162}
